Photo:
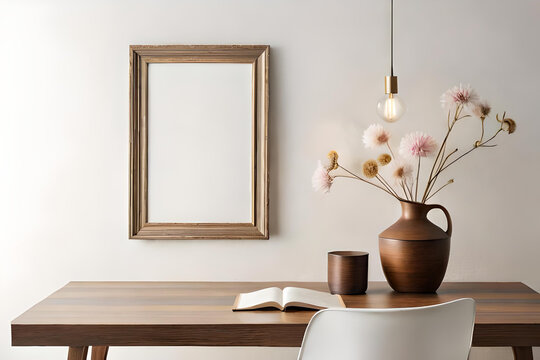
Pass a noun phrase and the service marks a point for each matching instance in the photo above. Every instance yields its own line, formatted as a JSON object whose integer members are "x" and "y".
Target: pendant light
{"x": 390, "y": 107}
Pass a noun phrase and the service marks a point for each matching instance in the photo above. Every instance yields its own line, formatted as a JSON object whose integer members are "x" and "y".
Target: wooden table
{"x": 103, "y": 314}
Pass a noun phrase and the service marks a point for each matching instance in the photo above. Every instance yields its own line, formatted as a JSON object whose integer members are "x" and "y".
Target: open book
{"x": 288, "y": 297}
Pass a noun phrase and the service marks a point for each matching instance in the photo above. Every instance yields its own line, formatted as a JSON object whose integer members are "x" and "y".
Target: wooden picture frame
{"x": 140, "y": 57}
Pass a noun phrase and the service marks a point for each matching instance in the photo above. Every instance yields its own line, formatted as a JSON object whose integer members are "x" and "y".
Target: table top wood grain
{"x": 199, "y": 314}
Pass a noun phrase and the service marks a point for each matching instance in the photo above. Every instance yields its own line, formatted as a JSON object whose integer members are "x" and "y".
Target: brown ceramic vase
{"x": 414, "y": 251}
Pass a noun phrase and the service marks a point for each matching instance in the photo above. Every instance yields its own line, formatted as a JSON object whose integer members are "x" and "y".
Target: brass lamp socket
{"x": 390, "y": 85}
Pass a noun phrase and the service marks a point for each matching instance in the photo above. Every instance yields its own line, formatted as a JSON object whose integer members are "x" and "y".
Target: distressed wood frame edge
{"x": 140, "y": 55}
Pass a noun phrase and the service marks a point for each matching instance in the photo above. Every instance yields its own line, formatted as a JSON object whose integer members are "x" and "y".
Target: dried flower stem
{"x": 386, "y": 184}
{"x": 354, "y": 176}
{"x": 442, "y": 187}
{"x": 476, "y": 145}
{"x": 440, "y": 160}
{"x": 482, "y": 134}
{"x": 404, "y": 190}
{"x": 387, "y": 188}
{"x": 444, "y": 166}
{"x": 391, "y": 152}
{"x": 483, "y": 144}
{"x": 409, "y": 188}
{"x": 417, "y": 177}
{"x": 442, "y": 150}
{"x": 434, "y": 178}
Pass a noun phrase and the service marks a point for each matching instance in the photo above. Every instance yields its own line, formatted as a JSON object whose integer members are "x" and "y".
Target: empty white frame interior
{"x": 200, "y": 143}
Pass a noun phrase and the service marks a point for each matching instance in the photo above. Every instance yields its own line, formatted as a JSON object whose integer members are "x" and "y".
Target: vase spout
{"x": 414, "y": 210}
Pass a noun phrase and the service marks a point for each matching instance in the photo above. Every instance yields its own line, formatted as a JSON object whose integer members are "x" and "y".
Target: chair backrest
{"x": 440, "y": 332}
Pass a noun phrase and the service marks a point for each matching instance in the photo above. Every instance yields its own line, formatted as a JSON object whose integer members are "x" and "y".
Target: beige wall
{"x": 64, "y": 141}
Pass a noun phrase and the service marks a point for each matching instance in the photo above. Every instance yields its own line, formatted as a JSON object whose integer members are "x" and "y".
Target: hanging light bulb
{"x": 390, "y": 107}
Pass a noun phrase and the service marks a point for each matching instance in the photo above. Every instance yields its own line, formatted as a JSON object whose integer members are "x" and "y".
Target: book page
{"x": 293, "y": 296}
{"x": 272, "y": 296}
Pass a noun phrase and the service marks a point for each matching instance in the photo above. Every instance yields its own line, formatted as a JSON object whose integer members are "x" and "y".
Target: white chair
{"x": 437, "y": 332}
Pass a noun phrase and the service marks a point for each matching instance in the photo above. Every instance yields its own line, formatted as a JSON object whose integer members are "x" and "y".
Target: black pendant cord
{"x": 391, "y": 37}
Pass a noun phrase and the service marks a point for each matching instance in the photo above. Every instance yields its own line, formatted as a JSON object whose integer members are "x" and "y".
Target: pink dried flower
{"x": 403, "y": 171}
{"x": 481, "y": 109}
{"x": 321, "y": 180}
{"x": 459, "y": 95}
{"x": 375, "y": 136}
{"x": 417, "y": 144}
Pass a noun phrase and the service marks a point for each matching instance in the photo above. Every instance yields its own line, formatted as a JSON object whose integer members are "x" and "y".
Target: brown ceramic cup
{"x": 347, "y": 272}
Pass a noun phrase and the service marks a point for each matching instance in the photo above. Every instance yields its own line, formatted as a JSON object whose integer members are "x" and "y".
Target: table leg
{"x": 522, "y": 352}
{"x": 99, "y": 352}
{"x": 77, "y": 352}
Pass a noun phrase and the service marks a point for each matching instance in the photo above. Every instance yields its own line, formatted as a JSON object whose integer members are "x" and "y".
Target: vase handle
{"x": 447, "y": 214}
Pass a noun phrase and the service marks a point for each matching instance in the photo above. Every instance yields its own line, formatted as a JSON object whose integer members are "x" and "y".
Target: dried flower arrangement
{"x": 461, "y": 102}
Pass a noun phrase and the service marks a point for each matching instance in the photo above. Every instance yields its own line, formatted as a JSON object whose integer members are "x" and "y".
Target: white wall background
{"x": 64, "y": 141}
